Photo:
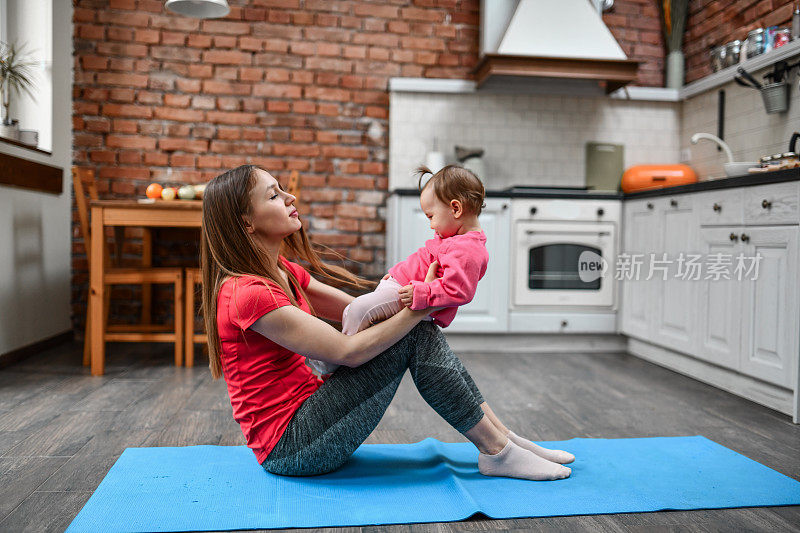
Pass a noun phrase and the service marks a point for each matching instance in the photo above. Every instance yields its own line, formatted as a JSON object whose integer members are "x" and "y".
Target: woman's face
{"x": 272, "y": 215}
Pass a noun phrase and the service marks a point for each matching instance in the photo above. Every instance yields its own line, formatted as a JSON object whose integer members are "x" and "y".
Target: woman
{"x": 261, "y": 311}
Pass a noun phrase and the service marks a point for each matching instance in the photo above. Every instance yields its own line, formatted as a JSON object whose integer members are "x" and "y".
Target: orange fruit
{"x": 153, "y": 190}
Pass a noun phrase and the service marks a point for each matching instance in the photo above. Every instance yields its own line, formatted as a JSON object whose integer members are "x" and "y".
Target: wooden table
{"x": 119, "y": 213}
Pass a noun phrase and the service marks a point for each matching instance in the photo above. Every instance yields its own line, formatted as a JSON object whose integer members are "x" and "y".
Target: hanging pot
{"x": 776, "y": 97}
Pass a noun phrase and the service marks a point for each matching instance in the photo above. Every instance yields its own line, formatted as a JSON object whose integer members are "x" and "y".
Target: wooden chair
{"x": 193, "y": 278}
{"x": 83, "y": 182}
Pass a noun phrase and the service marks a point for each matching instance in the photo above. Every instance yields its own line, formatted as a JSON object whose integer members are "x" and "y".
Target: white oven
{"x": 564, "y": 251}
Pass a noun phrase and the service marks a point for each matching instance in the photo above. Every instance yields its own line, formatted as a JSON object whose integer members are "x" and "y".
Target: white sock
{"x": 513, "y": 461}
{"x": 556, "y": 456}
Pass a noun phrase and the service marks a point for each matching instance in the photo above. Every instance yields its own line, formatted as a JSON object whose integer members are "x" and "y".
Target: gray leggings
{"x": 331, "y": 424}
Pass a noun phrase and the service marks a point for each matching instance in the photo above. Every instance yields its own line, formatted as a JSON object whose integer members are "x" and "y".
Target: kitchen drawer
{"x": 719, "y": 208}
{"x": 775, "y": 203}
{"x": 652, "y": 205}
{"x": 677, "y": 201}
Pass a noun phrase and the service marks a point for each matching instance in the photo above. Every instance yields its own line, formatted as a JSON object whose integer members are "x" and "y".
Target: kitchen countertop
{"x": 777, "y": 176}
{"x": 792, "y": 174}
{"x": 507, "y": 193}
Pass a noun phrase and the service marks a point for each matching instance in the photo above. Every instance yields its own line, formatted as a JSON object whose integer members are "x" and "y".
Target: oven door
{"x": 547, "y": 264}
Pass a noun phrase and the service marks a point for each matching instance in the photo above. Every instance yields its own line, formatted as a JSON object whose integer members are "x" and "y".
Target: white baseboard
{"x": 763, "y": 393}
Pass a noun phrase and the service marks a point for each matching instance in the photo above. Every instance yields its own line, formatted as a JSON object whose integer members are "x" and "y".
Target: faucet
{"x": 697, "y": 136}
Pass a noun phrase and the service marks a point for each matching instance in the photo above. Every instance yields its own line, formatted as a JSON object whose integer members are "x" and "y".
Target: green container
{"x": 604, "y": 166}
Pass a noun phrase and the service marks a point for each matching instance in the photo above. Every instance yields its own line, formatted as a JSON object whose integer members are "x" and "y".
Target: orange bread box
{"x": 643, "y": 177}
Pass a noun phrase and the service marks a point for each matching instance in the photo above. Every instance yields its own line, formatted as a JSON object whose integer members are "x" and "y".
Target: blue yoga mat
{"x": 198, "y": 488}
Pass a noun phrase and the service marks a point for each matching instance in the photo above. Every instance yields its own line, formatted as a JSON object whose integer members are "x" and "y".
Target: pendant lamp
{"x": 204, "y": 9}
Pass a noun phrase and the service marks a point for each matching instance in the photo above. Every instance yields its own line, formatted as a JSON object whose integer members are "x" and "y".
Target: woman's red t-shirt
{"x": 266, "y": 382}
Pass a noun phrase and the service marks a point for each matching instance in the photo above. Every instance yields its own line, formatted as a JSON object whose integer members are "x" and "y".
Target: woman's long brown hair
{"x": 227, "y": 249}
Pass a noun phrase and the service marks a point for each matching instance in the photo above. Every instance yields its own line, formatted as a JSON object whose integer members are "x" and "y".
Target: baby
{"x": 452, "y": 199}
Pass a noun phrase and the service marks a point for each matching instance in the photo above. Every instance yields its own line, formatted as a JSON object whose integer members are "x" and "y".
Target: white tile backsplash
{"x": 528, "y": 139}
{"x": 749, "y": 131}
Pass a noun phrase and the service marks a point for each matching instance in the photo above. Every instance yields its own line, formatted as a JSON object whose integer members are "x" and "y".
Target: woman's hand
{"x": 407, "y": 293}
{"x": 305, "y": 334}
{"x": 302, "y": 333}
{"x": 431, "y": 275}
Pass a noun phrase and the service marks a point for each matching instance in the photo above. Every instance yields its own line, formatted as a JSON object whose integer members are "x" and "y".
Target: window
{"x": 30, "y": 23}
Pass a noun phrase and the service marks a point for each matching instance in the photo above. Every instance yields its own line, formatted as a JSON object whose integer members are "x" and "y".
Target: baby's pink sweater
{"x": 462, "y": 260}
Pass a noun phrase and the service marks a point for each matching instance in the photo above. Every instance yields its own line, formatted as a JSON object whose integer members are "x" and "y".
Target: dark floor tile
{"x": 43, "y": 512}
{"x": 21, "y": 476}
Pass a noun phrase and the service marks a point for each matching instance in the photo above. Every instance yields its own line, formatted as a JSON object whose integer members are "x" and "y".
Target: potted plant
{"x": 16, "y": 76}
{"x": 673, "y": 22}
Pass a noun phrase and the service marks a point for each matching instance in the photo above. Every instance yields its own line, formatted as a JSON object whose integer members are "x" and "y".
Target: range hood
{"x": 549, "y": 46}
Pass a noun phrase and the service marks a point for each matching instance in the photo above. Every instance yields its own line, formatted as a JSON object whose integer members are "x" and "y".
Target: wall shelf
{"x": 456, "y": 86}
{"x": 32, "y": 175}
{"x": 431, "y": 85}
{"x": 23, "y": 145}
{"x": 752, "y": 65}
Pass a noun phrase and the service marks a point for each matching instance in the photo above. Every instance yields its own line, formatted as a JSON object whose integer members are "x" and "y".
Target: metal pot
{"x": 717, "y": 57}
{"x": 755, "y": 42}
{"x": 732, "y": 50}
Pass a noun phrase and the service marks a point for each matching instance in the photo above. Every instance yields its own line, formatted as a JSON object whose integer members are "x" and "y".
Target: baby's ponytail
{"x": 420, "y": 172}
{"x": 455, "y": 183}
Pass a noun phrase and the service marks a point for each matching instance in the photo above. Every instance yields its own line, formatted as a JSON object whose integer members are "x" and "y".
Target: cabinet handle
{"x": 505, "y": 206}
{"x": 673, "y": 203}
{"x": 717, "y": 207}
{"x": 533, "y": 210}
{"x": 766, "y": 204}
{"x": 649, "y": 205}
{"x": 734, "y": 237}
{"x": 745, "y": 237}
{"x": 563, "y": 323}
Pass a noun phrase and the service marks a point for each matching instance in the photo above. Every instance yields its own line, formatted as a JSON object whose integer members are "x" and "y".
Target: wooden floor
{"x": 61, "y": 429}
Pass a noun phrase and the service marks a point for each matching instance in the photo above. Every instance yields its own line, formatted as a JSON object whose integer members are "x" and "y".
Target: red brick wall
{"x": 713, "y": 22}
{"x": 285, "y": 84}
{"x": 636, "y": 25}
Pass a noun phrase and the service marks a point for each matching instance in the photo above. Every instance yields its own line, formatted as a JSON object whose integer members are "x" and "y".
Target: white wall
{"x": 529, "y": 139}
{"x": 35, "y": 240}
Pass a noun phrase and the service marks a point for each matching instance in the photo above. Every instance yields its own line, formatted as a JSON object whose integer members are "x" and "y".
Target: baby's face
{"x": 439, "y": 214}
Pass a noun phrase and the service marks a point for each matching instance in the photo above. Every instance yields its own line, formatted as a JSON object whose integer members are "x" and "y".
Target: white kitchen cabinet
{"x": 720, "y": 303}
{"x": 408, "y": 229}
{"x": 750, "y": 324}
{"x": 640, "y": 235}
{"x": 661, "y": 309}
{"x": 770, "y": 305}
{"x": 675, "y": 298}
{"x": 721, "y": 207}
{"x": 772, "y": 204}
{"x": 739, "y": 334}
